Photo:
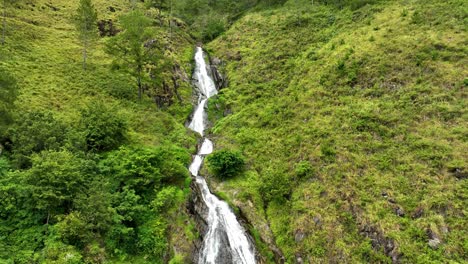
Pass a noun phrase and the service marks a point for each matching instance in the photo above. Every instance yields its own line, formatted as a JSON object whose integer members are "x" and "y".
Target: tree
{"x": 225, "y": 163}
{"x": 274, "y": 186}
{"x": 56, "y": 178}
{"x": 5, "y": 4}
{"x": 146, "y": 169}
{"x": 103, "y": 129}
{"x": 34, "y": 132}
{"x": 129, "y": 46}
{"x": 8, "y": 93}
{"x": 85, "y": 22}
{"x": 159, "y": 4}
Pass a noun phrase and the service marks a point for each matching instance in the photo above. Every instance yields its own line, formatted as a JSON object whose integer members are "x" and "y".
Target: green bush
{"x": 177, "y": 259}
{"x": 104, "y": 129}
{"x": 8, "y": 93}
{"x": 226, "y": 163}
{"x": 352, "y": 4}
{"x": 303, "y": 169}
{"x": 152, "y": 238}
{"x": 214, "y": 27}
{"x": 55, "y": 179}
{"x": 34, "y": 132}
{"x": 145, "y": 169}
{"x": 274, "y": 186}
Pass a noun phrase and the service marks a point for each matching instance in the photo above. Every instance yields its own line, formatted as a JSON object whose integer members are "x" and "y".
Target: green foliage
{"x": 353, "y": 4}
{"x": 152, "y": 238}
{"x": 56, "y": 252}
{"x": 129, "y": 49}
{"x": 34, "y": 132}
{"x": 143, "y": 169}
{"x": 166, "y": 199}
{"x": 74, "y": 230}
{"x": 103, "y": 128}
{"x": 225, "y": 163}
{"x": 56, "y": 177}
{"x": 303, "y": 169}
{"x": 56, "y": 206}
{"x": 274, "y": 186}
{"x": 159, "y": 4}
{"x": 214, "y": 26}
{"x": 209, "y": 19}
{"x": 86, "y": 22}
{"x": 177, "y": 259}
{"x": 8, "y": 93}
{"x": 381, "y": 126}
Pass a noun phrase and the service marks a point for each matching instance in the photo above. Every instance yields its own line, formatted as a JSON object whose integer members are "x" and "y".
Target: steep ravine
{"x": 225, "y": 240}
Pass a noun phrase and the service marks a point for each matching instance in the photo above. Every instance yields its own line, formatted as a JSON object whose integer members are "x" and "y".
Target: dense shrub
{"x": 274, "y": 186}
{"x": 226, "y": 163}
{"x": 144, "y": 169}
{"x": 8, "y": 93}
{"x": 56, "y": 178}
{"x": 303, "y": 169}
{"x": 215, "y": 26}
{"x": 34, "y": 132}
{"x": 104, "y": 129}
{"x": 353, "y": 4}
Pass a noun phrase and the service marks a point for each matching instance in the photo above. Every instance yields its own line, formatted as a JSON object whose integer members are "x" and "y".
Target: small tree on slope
{"x": 85, "y": 22}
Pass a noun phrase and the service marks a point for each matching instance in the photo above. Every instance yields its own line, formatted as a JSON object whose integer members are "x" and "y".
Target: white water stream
{"x": 226, "y": 240}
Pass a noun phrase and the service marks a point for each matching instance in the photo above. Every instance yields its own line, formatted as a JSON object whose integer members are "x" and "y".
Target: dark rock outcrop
{"x": 379, "y": 242}
{"x": 107, "y": 28}
{"x": 459, "y": 173}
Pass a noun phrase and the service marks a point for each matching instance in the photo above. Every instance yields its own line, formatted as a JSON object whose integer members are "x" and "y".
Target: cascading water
{"x": 225, "y": 240}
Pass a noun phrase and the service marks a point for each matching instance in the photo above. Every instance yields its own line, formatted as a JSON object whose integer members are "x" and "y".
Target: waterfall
{"x": 225, "y": 240}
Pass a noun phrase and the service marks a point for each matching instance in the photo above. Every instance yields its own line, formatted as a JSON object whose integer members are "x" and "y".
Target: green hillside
{"x": 341, "y": 136}
{"x": 80, "y": 136}
{"x": 353, "y": 120}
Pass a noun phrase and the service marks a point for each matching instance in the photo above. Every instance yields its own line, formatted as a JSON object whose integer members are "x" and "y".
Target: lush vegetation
{"x": 89, "y": 173}
{"x": 349, "y": 117}
{"x": 208, "y": 19}
{"x": 352, "y": 118}
{"x": 225, "y": 163}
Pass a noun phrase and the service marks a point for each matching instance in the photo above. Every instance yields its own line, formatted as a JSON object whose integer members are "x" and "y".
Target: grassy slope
{"x": 44, "y": 55}
{"x": 375, "y": 100}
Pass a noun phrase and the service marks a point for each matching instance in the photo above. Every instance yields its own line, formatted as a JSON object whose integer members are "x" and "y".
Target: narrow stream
{"x": 226, "y": 240}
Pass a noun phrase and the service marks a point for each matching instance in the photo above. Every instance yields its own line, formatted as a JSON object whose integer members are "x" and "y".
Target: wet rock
{"x": 431, "y": 234}
{"x": 317, "y": 220}
{"x": 299, "y": 259}
{"x": 227, "y": 112}
{"x": 379, "y": 242}
{"x": 459, "y": 173}
{"x": 216, "y": 61}
{"x": 107, "y": 28}
{"x": 444, "y": 229}
{"x": 434, "y": 243}
{"x": 219, "y": 79}
{"x": 198, "y": 208}
{"x": 417, "y": 213}
{"x": 234, "y": 56}
{"x": 384, "y": 194}
{"x": 299, "y": 236}
{"x": 391, "y": 200}
{"x": 400, "y": 212}
{"x": 434, "y": 239}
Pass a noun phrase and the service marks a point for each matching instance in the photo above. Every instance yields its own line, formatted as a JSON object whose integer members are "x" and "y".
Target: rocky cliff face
{"x": 198, "y": 209}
